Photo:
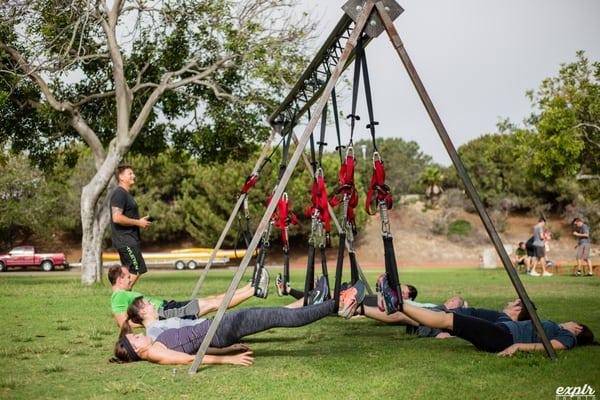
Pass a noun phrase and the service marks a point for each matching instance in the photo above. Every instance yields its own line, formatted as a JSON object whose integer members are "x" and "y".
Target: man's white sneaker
{"x": 534, "y": 273}
{"x": 546, "y": 273}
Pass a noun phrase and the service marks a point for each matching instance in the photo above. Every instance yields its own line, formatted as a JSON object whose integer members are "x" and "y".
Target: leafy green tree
{"x": 128, "y": 74}
{"x": 28, "y": 203}
{"x": 497, "y": 168}
{"x": 565, "y": 136}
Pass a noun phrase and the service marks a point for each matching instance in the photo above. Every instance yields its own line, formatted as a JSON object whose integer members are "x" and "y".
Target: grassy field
{"x": 56, "y": 338}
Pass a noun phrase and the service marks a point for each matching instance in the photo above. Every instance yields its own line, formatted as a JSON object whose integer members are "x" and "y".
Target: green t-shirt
{"x": 121, "y": 299}
{"x": 520, "y": 252}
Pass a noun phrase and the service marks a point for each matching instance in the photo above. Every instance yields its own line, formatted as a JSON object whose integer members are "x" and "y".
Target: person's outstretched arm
{"x": 395, "y": 318}
{"x": 512, "y": 349}
{"x": 161, "y": 355}
{"x": 234, "y": 348}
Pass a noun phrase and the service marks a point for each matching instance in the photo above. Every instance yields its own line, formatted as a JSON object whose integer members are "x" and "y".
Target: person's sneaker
{"x": 546, "y": 273}
{"x": 262, "y": 286}
{"x": 320, "y": 293}
{"x": 282, "y": 288}
{"x": 379, "y": 291}
{"x": 390, "y": 297}
{"x": 534, "y": 273}
{"x": 589, "y": 274}
{"x": 578, "y": 273}
{"x": 350, "y": 299}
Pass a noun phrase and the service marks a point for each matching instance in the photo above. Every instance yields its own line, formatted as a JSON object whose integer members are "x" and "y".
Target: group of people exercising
{"x": 175, "y": 329}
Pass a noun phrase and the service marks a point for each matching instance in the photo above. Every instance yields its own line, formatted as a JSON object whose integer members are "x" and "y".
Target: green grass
{"x": 56, "y": 339}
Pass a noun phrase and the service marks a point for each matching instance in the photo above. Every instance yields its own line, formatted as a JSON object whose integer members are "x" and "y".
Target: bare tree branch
{"x": 580, "y": 177}
{"x": 78, "y": 123}
{"x": 585, "y": 134}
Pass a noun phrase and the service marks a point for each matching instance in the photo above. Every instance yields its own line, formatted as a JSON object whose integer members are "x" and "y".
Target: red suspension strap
{"x": 250, "y": 182}
{"x": 378, "y": 187}
{"x": 319, "y": 201}
{"x": 283, "y": 217}
{"x": 346, "y": 187}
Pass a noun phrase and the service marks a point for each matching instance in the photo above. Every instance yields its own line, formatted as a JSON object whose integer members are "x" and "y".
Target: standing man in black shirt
{"x": 126, "y": 223}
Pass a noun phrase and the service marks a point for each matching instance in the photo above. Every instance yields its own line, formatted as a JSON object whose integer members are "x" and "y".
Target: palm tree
{"x": 432, "y": 178}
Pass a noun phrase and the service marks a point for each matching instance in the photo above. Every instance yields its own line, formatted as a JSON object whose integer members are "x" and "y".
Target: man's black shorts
{"x": 131, "y": 257}
{"x": 530, "y": 251}
{"x": 540, "y": 251}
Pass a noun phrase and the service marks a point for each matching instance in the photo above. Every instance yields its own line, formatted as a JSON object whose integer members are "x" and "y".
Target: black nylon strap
{"x": 338, "y": 271}
{"x": 313, "y": 160}
{"x": 309, "y": 282}
{"x": 372, "y": 123}
{"x": 321, "y": 141}
{"x": 392, "y": 269}
{"x": 359, "y": 51}
{"x": 287, "y": 140}
{"x": 336, "y": 118}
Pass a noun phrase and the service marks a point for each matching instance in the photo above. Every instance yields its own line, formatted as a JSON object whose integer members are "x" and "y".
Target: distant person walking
{"x": 539, "y": 249}
{"x": 582, "y": 233}
{"x": 126, "y": 223}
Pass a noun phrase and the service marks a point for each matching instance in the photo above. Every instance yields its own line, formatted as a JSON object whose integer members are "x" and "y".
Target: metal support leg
{"x": 462, "y": 173}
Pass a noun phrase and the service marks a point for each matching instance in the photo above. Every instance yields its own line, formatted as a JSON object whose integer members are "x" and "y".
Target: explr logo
{"x": 585, "y": 392}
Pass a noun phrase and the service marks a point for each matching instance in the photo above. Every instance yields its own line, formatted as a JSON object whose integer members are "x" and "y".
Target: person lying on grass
{"x": 179, "y": 346}
{"x": 502, "y": 337}
{"x": 385, "y": 295}
{"x": 141, "y": 313}
{"x": 409, "y": 292}
{"x": 122, "y": 296}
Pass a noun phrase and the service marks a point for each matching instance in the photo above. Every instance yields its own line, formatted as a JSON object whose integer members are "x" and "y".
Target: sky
{"x": 476, "y": 59}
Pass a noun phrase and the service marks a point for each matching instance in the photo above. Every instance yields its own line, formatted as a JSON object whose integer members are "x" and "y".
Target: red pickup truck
{"x": 25, "y": 256}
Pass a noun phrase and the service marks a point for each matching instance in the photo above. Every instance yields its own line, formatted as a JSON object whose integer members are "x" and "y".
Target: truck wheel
{"x": 2, "y": 267}
{"x": 180, "y": 265}
{"x": 47, "y": 266}
{"x": 192, "y": 264}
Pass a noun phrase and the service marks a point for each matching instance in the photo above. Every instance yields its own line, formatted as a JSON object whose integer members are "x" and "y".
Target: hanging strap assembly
{"x": 244, "y": 232}
{"x": 318, "y": 212}
{"x": 380, "y": 194}
{"x": 265, "y": 241}
{"x": 283, "y": 216}
{"x": 345, "y": 193}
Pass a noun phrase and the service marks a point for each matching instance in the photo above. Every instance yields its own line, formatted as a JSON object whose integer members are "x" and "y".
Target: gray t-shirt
{"x": 524, "y": 332}
{"x": 584, "y": 229}
{"x": 538, "y": 230}
{"x": 158, "y": 327}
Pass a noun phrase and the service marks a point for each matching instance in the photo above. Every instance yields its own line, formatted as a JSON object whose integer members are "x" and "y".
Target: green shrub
{"x": 459, "y": 227}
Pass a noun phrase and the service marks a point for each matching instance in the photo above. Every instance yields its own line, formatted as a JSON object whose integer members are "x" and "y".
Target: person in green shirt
{"x": 122, "y": 296}
{"x": 521, "y": 257}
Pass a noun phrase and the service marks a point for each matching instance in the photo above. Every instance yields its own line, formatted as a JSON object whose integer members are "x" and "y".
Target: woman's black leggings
{"x": 485, "y": 335}
{"x": 237, "y": 324}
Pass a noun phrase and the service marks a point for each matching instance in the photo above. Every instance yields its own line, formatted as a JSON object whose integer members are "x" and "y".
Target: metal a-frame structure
{"x": 371, "y": 18}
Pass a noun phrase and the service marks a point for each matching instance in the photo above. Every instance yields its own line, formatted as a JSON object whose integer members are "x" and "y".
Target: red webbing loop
{"x": 250, "y": 182}
{"x": 320, "y": 203}
{"x": 283, "y": 217}
{"x": 346, "y": 187}
{"x": 378, "y": 186}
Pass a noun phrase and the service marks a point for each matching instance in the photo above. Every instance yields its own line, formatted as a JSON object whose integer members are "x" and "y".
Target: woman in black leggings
{"x": 506, "y": 337}
{"x": 178, "y": 346}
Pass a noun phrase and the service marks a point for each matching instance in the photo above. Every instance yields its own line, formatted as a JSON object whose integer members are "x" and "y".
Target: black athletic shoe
{"x": 320, "y": 293}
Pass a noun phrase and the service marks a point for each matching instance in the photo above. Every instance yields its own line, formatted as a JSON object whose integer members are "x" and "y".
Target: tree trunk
{"x": 95, "y": 217}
